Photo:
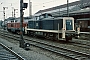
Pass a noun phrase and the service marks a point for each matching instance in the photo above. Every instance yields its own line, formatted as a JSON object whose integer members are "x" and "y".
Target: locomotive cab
{"x": 69, "y": 28}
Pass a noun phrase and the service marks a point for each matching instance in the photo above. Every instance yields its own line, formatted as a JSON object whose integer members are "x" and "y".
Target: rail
{"x": 14, "y": 53}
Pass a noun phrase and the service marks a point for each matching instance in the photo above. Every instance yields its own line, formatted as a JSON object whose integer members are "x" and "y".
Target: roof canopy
{"x": 74, "y": 7}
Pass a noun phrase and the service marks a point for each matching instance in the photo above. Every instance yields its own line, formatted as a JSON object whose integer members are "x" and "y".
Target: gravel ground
{"x": 28, "y": 55}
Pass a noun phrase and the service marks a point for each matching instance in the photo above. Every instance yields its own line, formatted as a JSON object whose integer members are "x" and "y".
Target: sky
{"x": 36, "y": 6}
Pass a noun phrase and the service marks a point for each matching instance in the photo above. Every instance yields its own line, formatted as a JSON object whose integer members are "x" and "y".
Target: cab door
{"x": 69, "y": 25}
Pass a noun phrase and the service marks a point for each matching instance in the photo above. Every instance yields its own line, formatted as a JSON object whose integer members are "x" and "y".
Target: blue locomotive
{"x": 59, "y": 28}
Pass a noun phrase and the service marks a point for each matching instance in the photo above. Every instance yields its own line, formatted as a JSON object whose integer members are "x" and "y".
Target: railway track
{"x": 77, "y": 55}
{"x": 74, "y": 43}
{"x": 87, "y": 46}
{"x": 8, "y": 54}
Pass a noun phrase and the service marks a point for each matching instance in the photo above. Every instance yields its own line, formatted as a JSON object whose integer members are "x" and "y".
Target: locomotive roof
{"x": 55, "y": 18}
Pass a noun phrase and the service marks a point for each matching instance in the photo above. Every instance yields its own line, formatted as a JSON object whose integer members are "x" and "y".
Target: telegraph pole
{"x": 12, "y": 9}
{"x": 68, "y": 8}
{"x": 14, "y": 12}
{"x": 21, "y": 25}
{"x": 4, "y": 15}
